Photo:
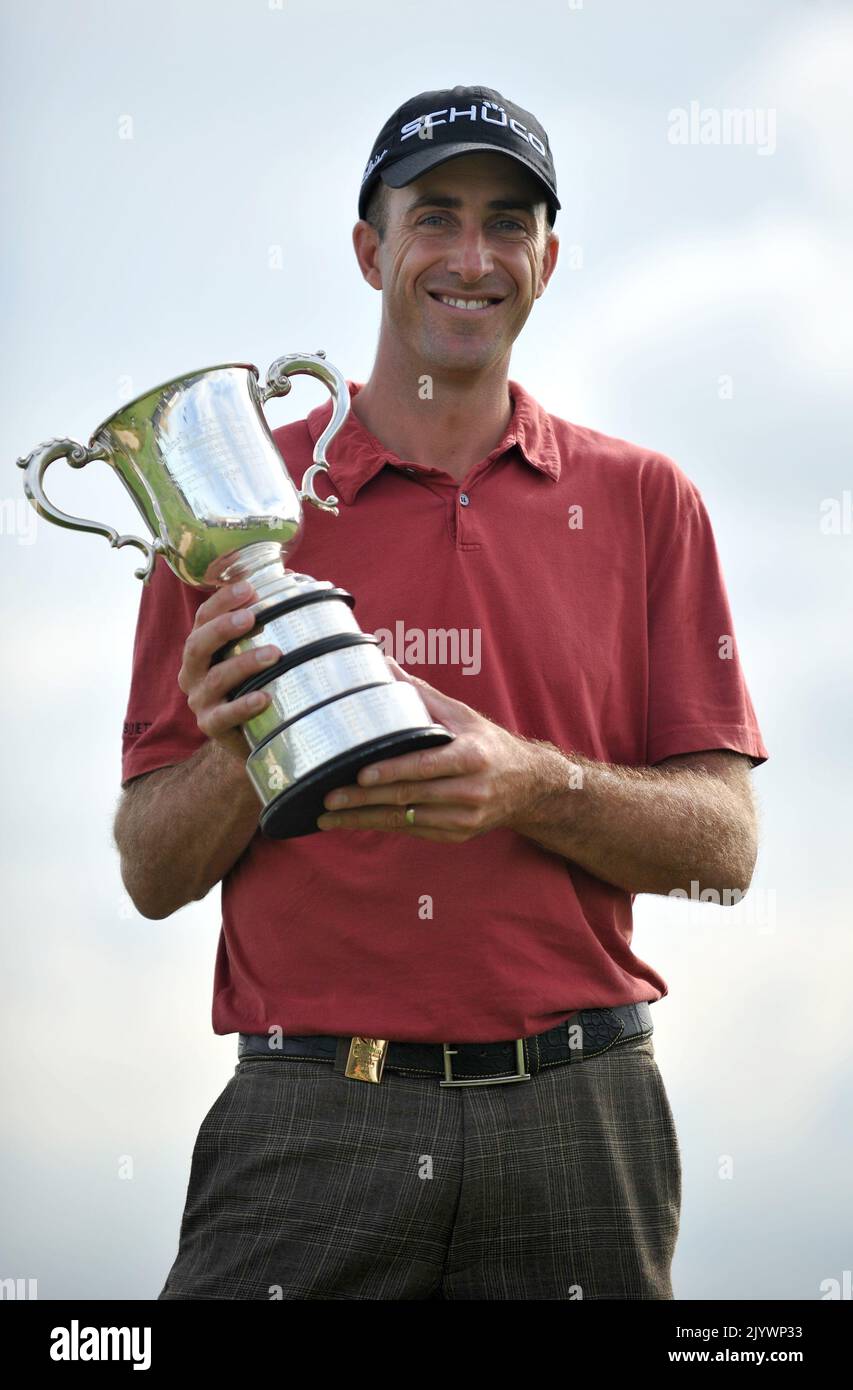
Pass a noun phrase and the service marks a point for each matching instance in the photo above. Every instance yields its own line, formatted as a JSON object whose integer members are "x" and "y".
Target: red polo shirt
{"x": 570, "y": 590}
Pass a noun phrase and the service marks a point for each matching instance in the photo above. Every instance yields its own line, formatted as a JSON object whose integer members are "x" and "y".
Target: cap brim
{"x": 411, "y": 166}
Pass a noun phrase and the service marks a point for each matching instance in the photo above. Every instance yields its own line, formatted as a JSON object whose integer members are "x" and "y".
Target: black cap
{"x": 435, "y": 126}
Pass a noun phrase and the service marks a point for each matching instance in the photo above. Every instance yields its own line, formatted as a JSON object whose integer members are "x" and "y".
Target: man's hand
{"x": 481, "y": 781}
{"x": 642, "y": 829}
{"x": 223, "y": 617}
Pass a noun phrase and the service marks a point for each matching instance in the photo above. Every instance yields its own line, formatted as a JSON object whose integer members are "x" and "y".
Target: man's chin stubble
{"x": 440, "y": 356}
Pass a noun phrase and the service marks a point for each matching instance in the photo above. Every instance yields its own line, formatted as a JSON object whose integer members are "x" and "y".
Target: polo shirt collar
{"x": 356, "y": 456}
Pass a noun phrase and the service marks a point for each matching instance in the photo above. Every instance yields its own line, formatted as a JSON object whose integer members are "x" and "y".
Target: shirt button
{"x": 464, "y": 499}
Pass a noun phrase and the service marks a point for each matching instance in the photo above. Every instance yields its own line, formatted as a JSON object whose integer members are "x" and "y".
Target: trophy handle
{"x": 278, "y": 384}
{"x": 78, "y": 456}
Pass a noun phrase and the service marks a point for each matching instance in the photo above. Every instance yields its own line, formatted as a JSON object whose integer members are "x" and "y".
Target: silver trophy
{"x": 197, "y": 457}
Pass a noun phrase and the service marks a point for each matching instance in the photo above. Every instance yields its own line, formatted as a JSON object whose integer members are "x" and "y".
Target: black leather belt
{"x": 585, "y": 1033}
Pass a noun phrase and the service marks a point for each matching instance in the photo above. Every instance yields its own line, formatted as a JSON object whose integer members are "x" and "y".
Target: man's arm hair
{"x": 650, "y": 829}
{"x": 180, "y": 829}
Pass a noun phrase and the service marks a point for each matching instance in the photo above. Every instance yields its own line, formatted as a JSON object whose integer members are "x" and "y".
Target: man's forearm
{"x": 180, "y": 829}
{"x": 644, "y": 830}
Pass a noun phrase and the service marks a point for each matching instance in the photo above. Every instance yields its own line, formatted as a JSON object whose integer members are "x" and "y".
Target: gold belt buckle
{"x": 366, "y": 1059}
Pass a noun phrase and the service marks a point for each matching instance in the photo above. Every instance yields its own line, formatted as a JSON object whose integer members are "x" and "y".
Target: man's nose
{"x": 470, "y": 258}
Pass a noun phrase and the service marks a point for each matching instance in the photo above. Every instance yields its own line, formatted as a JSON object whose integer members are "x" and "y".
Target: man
{"x": 447, "y": 1085}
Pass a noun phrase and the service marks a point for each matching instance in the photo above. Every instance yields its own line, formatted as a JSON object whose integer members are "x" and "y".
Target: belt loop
{"x": 341, "y": 1054}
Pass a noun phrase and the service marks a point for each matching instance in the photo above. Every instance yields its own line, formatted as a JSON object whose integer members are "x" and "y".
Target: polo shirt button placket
{"x": 464, "y": 501}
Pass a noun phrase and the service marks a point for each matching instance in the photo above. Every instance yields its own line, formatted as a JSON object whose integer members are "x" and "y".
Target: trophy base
{"x": 295, "y": 811}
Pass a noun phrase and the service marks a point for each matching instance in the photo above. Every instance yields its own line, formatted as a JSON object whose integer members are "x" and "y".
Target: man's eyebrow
{"x": 443, "y": 200}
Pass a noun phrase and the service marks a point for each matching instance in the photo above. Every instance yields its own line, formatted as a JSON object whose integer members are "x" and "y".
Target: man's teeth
{"x": 465, "y": 303}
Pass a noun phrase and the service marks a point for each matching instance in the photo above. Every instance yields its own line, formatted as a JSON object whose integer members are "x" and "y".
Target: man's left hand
{"x": 483, "y": 780}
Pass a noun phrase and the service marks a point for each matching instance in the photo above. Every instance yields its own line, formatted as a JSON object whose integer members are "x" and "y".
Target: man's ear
{"x": 549, "y": 261}
{"x": 365, "y": 240}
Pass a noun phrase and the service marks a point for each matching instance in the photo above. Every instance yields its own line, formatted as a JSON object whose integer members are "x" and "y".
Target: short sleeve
{"x": 697, "y": 693}
{"x": 160, "y": 729}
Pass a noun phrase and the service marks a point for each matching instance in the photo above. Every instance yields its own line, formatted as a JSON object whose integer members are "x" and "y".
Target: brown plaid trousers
{"x": 305, "y": 1184}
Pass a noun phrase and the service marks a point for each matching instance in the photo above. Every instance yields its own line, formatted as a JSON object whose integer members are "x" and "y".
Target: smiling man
{"x": 446, "y": 1085}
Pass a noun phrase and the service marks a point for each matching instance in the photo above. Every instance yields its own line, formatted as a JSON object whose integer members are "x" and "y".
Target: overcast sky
{"x": 161, "y": 162}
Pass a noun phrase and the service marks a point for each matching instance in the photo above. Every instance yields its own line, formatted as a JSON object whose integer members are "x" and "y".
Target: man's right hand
{"x": 219, "y": 619}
